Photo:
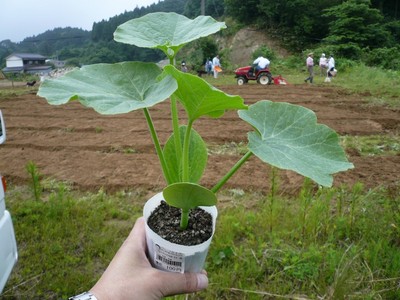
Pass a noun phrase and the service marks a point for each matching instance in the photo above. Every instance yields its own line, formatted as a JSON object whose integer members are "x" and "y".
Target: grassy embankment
{"x": 337, "y": 243}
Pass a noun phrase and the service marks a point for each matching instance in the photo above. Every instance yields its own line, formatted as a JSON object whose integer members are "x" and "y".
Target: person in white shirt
{"x": 310, "y": 67}
{"x": 261, "y": 63}
{"x": 331, "y": 67}
{"x": 216, "y": 63}
{"x": 258, "y": 64}
{"x": 323, "y": 64}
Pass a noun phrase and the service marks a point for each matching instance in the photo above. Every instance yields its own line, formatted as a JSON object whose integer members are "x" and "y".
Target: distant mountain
{"x": 78, "y": 46}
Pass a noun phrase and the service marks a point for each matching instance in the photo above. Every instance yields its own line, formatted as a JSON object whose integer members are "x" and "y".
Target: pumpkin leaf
{"x": 287, "y": 136}
{"x": 110, "y": 88}
{"x": 166, "y": 31}
{"x": 199, "y": 98}
{"x": 197, "y": 156}
{"x": 186, "y": 195}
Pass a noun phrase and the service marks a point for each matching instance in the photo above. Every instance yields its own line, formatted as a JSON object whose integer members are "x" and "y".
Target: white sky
{"x": 24, "y": 18}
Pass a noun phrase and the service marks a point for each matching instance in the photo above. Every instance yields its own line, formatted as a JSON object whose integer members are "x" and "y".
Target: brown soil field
{"x": 75, "y": 144}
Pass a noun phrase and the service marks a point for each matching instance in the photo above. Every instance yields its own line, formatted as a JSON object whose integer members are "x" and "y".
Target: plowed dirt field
{"x": 77, "y": 145}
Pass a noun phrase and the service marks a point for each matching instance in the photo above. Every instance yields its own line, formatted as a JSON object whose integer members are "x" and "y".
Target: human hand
{"x": 131, "y": 276}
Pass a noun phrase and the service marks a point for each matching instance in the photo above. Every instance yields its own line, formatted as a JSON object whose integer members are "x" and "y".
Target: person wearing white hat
{"x": 184, "y": 67}
{"x": 323, "y": 64}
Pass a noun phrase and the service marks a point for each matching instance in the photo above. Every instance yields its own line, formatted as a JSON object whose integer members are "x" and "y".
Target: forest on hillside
{"x": 367, "y": 30}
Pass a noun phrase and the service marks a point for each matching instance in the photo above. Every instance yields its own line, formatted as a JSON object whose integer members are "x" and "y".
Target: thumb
{"x": 178, "y": 283}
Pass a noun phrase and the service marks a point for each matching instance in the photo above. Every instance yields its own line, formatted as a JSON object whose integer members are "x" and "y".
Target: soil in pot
{"x": 165, "y": 220}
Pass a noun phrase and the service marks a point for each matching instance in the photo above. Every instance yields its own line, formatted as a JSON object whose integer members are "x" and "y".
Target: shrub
{"x": 388, "y": 58}
{"x": 264, "y": 51}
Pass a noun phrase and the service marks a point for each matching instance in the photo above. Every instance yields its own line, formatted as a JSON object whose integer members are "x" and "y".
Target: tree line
{"x": 367, "y": 30}
{"x": 355, "y": 29}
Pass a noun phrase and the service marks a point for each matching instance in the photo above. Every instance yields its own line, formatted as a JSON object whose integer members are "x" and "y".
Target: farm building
{"x": 26, "y": 63}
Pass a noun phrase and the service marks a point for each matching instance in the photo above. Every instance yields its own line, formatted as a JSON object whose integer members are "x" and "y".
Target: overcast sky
{"x": 24, "y": 18}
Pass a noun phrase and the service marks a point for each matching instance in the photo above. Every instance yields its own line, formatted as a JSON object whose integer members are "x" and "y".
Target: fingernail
{"x": 202, "y": 281}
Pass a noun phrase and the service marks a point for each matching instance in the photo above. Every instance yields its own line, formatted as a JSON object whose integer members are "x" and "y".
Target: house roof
{"x": 27, "y": 56}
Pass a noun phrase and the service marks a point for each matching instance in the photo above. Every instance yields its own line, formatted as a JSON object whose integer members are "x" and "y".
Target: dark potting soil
{"x": 165, "y": 220}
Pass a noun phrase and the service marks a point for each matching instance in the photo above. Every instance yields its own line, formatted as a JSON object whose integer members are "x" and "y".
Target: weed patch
{"x": 324, "y": 243}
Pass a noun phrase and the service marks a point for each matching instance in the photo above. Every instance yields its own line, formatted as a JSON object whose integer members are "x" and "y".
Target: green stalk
{"x": 185, "y": 158}
{"x": 175, "y": 126}
{"x": 178, "y": 146}
{"x": 171, "y": 59}
{"x": 232, "y": 171}
{"x": 184, "y": 219}
{"x": 156, "y": 142}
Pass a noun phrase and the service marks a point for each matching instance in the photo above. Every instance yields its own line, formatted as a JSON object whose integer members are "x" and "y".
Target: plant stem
{"x": 184, "y": 218}
{"x": 185, "y": 158}
{"x": 272, "y": 197}
{"x": 175, "y": 126}
{"x": 232, "y": 171}
{"x": 156, "y": 142}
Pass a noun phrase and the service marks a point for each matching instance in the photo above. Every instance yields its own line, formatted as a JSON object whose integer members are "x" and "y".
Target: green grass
{"x": 373, "y": 145}
{"x": 379, "y": 87}
{"x": 382, "y": 86}
{"x": 332, "y": 243}
{"x": 66, "y": 239}
{"x": 315, "y": 249}
{"x": 16, "y": 91}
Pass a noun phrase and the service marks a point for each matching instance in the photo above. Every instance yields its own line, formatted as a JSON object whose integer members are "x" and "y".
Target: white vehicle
{"x": 8, "y": 245}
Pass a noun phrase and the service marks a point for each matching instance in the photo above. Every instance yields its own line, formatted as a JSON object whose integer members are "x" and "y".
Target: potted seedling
{"x": 284, "y": 135}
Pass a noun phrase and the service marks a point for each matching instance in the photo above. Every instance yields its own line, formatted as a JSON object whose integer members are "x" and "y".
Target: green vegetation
{"x": 34, "y": 175}
{"x": 351, "y": 29}
{"x": 65, "y": 240}
{"x": 373, "y": 145}
{"x": 321, "y": 243}
{"x": 17, "y": 90}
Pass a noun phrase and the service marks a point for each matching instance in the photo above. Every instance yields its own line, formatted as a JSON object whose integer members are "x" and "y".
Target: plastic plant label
{"x": 169, "y": 260}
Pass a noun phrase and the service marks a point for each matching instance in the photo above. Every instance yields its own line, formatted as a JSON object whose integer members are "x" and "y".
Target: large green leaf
{"x": 289, "y": 137}
{"x": 185, "y": 196}
{"x": 111, "y": 88}
{"x": 199, "y": 98}
{"x": 165, "y": 31}
{"x": 197, "y": 156}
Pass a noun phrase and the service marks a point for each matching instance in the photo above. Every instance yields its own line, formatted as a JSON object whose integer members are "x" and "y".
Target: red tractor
{"x": 245, "y": 74}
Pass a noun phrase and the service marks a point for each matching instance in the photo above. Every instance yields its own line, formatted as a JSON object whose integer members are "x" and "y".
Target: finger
{"x": 133, "y": 250}
{"x": 137, "y": 236}
{"x": 183, "y": 283}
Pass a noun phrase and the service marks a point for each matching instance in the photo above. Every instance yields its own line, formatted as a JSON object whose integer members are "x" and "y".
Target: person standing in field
{"x": 184, "y": 67}
{"x": 331, "y": 68}
{"x": 216, "y": 63}
{"x": 310, "y": 67}
{"x": 323, "y": 64}
{"x": 208, "y": 66}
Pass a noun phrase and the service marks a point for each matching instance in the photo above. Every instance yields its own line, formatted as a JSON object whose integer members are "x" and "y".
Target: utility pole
{"x": 203, "y": 7}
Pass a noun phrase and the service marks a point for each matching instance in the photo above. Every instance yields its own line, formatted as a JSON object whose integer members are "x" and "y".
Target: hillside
{"x": 246, "y": 41}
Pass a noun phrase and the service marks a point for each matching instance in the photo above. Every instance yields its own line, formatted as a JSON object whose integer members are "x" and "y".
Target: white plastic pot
{"x": 171, "y": 257}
